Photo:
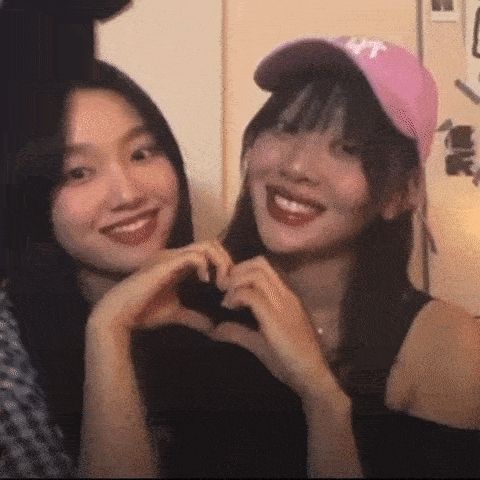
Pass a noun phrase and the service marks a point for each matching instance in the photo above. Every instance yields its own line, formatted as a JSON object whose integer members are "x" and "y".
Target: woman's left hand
{"x": 286, "y": 341}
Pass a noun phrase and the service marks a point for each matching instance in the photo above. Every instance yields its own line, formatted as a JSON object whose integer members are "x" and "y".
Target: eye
{"x": 287, "y": 127}
{"x": 282, "y": 131}
{"x": 78, "y": 174}
{"x": 145, "y": 153}
{"x": 141, "y": 154}
{"x": 344, "y": 150}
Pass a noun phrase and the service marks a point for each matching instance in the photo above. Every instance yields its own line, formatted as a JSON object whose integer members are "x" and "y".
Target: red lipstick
{"x": 133, "y": 232}
{"x": 290, "y": 211}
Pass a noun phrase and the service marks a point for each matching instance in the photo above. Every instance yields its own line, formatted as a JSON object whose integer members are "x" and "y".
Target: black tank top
{"x": 218, "y": 412}
{"x": 229, "y": 417}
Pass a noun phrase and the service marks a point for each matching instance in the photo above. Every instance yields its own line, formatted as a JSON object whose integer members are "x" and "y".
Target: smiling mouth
{"x": 134, "y": 231}
{"x": 291, "y": 210}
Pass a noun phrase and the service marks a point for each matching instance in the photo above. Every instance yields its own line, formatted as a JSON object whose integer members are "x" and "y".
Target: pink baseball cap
{"x": 404, "y": 87}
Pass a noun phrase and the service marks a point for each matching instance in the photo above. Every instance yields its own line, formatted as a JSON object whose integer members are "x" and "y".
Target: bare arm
{"x": 331, "y": 446}
{"x": 288, "y": 346}
{"x": 115, "y": 438}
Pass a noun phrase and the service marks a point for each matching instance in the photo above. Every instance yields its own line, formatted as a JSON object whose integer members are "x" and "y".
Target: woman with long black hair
{"x": 91, "y": 204}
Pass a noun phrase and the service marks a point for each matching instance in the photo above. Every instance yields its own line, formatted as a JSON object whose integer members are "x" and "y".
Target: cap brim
{"x": 300, "y": 59}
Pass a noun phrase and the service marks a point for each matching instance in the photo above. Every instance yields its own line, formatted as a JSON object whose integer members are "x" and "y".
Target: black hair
{"x": 42, "y": 278}
{"x": 39, "y": 171}
{"x": 389, "y": 159}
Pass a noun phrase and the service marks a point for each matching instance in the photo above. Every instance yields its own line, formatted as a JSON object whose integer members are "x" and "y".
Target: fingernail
{"x": 225, "y": 303}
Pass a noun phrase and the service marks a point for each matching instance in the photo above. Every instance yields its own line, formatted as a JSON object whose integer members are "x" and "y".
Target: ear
{"x": 408, "y": 198}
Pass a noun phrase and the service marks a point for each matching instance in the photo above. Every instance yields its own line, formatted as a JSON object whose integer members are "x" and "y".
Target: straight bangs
{"x": 348, "y": 104}
{"x": 320, "y": 104}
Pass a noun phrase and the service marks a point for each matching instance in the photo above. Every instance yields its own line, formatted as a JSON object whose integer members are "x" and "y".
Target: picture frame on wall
{"x": 445, "y": 10}
{"x": 476, "y": 34}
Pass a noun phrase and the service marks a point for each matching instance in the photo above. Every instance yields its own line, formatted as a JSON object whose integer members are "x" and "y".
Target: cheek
{"x": 73, "y": 217}
{"x": 160, "y": 181}
{"x": 255, "y": 180}
{"x": 264, "y": 157}
{"x": 73, "y": 209}
{"x": 353, "y": 191}
{"x": 257, "y": 174}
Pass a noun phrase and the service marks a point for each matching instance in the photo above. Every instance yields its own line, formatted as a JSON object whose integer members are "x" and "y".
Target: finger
{"x": 216, "y": 255}
{"x": 220, "y": 259}
{"x": 176, "y": 268}
{"x": 151, "y": 284}
{"x": 273, "y": 320}
{"x": 280, "y": 331}
{"x": 257, "y": 280}
{"x": 167, "y": 257}
{"x": 197, "y": 322}
{"x": 247, "y": 297}
{"x": 263, "y": 269}
{"x": 175, "y": 314}
{"x": 224, "y": 271}
{"x": 231, "y": 332}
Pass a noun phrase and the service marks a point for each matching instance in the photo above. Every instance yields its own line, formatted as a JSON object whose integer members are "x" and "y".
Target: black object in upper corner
{"x": 44, "y": 44}
{"x": 92, "y": 9}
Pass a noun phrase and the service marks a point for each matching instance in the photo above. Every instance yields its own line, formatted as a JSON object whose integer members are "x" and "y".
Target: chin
{"x": 112, "y": 267}
{"x": 128, "y": 260}
{"x": 285, "y": 246}
{"x": 125, "y": 267}
{"x": 282, "y": 243}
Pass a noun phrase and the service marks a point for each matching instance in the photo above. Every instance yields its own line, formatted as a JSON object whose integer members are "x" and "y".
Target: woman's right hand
{"x": 148, "y": 297}
{"x": 115, "y": 435}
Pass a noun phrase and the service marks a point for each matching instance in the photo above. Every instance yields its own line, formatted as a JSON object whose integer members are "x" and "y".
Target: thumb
{"x": 194, "y": 320}
{"x": 251, "y": 340}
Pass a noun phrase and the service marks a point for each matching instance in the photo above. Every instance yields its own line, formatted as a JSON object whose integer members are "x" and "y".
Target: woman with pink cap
{"x": 354, "y": 372}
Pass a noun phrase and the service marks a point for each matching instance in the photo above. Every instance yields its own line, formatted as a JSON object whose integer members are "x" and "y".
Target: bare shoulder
{"x": 437, "y": 372}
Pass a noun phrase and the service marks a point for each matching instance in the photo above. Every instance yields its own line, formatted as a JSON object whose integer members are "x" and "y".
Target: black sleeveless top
{"x": 227, "y": 416}
{"x": 216, "y": 411}
{"x": 393, "y": 444}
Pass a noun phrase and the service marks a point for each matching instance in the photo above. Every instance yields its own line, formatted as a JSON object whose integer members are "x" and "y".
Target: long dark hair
{"x": 389, "y": 159}
{"x": 42, "y": 277}
{"x": 38, "y": 172}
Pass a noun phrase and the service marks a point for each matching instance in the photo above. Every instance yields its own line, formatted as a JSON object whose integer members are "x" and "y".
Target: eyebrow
{"x": 137, "y": 131}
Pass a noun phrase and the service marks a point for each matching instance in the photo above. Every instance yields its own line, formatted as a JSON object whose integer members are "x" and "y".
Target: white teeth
{"x": 292, "y": 206}
{"x": 131, "y": 227}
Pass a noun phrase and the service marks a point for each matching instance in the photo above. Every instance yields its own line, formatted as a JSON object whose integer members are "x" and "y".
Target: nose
{"x": 299, "y": 164}
{"x": 124, "y": 192}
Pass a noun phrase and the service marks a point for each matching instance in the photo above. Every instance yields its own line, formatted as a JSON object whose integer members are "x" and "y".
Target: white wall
{"x": 172, "y": 48}
{"x": 454, "y": 202}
